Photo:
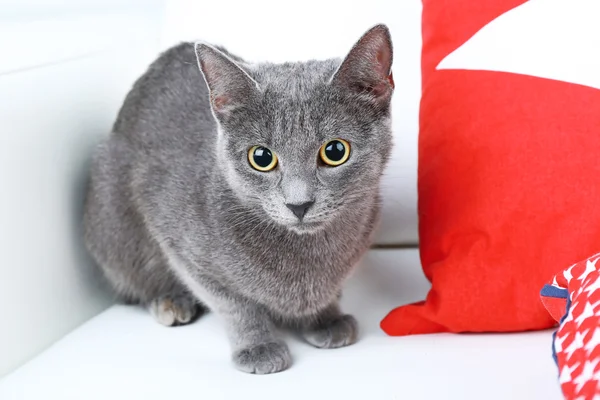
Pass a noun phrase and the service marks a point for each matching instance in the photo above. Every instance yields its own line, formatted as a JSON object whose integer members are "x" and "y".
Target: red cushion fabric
{"x": 508, "y": 182}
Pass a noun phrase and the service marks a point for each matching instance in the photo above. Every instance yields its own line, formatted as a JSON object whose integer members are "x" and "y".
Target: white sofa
{"x": 62, "y": 78}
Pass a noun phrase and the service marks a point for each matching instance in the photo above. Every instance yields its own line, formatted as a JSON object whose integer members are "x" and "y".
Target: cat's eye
{"x": 262, "y": 159}
{"x": 335, "y": 152}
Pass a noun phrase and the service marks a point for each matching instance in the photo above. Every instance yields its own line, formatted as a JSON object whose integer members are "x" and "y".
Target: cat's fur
{"x": 179, "y": 221}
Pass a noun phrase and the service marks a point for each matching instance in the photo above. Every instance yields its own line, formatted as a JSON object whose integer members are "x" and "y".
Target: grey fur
{"x": 178, "y": 220}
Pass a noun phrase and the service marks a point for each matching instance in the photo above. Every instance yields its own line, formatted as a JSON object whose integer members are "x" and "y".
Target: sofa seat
{"x": 123, "y": 354}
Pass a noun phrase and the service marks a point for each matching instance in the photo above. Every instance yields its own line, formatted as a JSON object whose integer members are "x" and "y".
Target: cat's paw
{"x": 339, "y": 332}
{"x": 265, "y": 358}
{"x": 177, "y": 310}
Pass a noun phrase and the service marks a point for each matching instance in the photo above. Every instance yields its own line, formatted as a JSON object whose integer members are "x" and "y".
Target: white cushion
{"x": 123, "y": 354}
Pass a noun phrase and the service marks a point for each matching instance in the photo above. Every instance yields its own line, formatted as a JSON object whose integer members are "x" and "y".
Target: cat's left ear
{"x": 367, "y": 69}
{"x": 229, "y": 85}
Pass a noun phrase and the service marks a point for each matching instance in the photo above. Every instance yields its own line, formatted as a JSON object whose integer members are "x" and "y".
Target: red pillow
{"x": 509, "y": 172}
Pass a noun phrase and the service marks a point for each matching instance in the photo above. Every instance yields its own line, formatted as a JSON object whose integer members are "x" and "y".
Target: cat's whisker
{"x": 244, "y": 221}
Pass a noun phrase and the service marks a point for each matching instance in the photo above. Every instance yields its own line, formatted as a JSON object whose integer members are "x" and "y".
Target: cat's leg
{"x": 330, "y": 328}
{"x": 157, "y": 288}
{"x": 175, "y": 309}
{"x": 255, "y": 343}
{"x": 118, "y": 239}
{"x": 257, "y": 349}
{"x": 153, "y": 286}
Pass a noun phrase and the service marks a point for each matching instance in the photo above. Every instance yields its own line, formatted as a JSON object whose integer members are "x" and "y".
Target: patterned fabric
{"x": 573, "y": 299}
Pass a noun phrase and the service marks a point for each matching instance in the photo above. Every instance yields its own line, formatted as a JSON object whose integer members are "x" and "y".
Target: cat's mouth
{"x": 306, "y": 227}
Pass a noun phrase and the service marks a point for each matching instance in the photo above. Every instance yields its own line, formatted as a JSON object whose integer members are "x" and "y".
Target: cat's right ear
{"x": 229, "y": 85}
{"x": 367, "y": 69}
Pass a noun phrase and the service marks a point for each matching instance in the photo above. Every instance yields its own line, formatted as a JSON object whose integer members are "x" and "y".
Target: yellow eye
{"x": 262, "y": 159}
{"x": 335, "y": 152}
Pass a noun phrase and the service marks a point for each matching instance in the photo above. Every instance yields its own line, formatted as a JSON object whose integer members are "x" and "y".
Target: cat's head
{"x": 304, "y": 142}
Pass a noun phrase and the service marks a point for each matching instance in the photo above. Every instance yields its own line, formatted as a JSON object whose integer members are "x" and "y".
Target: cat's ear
{"x": 229, "y": 85}
{"x": 367, "y": 69}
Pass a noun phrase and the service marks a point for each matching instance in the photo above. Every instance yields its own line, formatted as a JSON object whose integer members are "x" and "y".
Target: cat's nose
{"x": 300, "y": 209}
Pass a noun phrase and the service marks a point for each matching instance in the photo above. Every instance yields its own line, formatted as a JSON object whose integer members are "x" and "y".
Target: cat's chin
{"x": 306, "y": 228}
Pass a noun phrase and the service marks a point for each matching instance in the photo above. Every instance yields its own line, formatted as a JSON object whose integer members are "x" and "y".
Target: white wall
{"x": 286, "y": 31}
{"x": 65, "y": 67}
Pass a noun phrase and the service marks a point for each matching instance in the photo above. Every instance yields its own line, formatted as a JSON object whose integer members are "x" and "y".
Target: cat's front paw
{"x": 339, "y": 332}
{"x": 175, "y": 310}
{"x": 265, "y": 358}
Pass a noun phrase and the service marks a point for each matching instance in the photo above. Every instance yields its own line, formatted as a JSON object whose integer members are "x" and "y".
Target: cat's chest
{"x": 321, "y": 253}
{"x": 297, "y": 276}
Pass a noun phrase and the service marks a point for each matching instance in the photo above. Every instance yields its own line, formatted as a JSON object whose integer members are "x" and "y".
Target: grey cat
{"x": 251, "y": 190}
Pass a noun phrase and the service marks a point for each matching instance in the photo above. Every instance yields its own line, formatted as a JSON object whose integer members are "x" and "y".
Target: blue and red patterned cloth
{"x": 573, "y": 299}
